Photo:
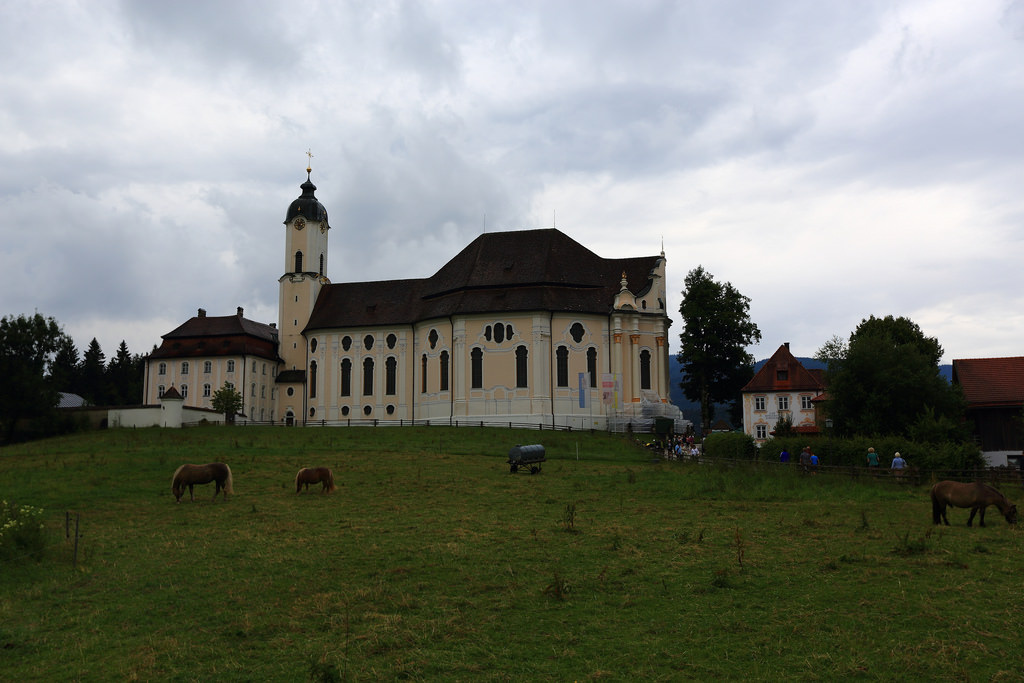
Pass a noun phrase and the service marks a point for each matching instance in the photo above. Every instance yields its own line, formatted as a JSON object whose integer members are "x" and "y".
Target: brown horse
{"x": 190, "y": 475}
{"x": 976, "y": 496}
{"x": 315, "y": 475}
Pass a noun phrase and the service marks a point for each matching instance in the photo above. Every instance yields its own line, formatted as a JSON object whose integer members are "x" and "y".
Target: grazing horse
{"x": 189, "y": 475}
{"x": 314, "y": 475}
{"x": 976, "y": 496}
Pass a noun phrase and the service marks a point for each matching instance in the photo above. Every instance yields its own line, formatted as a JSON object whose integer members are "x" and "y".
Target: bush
{"x": 853, "y": 452}
{"x": 731, "y": 445}
{"x": 21, "y": 532}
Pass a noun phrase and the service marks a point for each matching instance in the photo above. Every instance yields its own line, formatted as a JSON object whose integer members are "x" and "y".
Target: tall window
{"x": 207, "y": 367}
{"x": 184, "y": 367}
{"x": 368, "y": 377}
{"x": 163, "y": 369}
{"x": 231, "y": 366}
{"x": 444, "y": 371}
{"x": 476, "y": 360}
{"x": 346, "y": 377}
{"x": 252, "y": 390}
{"x": 759, "y": 403}
{"x": 298, "y": 262}
{"x": 562, "y": 366}
{"x": 423, "y": 374}
{"x": 160, "y": 391}
{"x": 184, "y": 391}
{"x": 312, "y": 380}
{"x": 521, "y": 367}
{"x": 592, "y": 365}
{"x": 761, "y": 432}
{"x": 783, "y": 402}
{"x": 805, "y": 403}
{"x": 206, "y": 391}
{"x": 321, "y": 264}
{"x": 390, "y": 375}
{"x": 645, "y": 369}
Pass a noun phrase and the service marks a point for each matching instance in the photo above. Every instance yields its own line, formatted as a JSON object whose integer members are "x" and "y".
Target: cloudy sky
{"x": 832, "y": 160}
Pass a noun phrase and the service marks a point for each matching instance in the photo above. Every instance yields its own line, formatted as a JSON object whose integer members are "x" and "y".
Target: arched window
{"x": 184, "y": 367}
{"x": 476, "y": 357}
{"x": 562, "y": 366}
{"x": 368, "y": 377}
{"x": 312, "y": 380}
{"x": 390, "y": 375}
{"x": 206, "y": 391}
{"x": 592, "y": 365}
{"x": 184, "y": 391}
{"x": 231, "y": 366}
{"x": 298, "y": 262}
{"x": 346, "y": 377}
{"x": 207, "y": 367}
{"x": 163, "y": 369}
{"x": 645, "y": 369}
{"x": 444, "y": 371}
{"x": 521, "y": 366}
{"x": 160, "y": 391}
{"x": 321, "y": 264}
{"x": 423, "y": 374}
{"x": 252, "y": 390}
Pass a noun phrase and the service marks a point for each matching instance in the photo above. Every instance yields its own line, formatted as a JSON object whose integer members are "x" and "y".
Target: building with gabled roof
{"x": 519, "y": 327}
{"x": 994, "y": 390}
{"x": 782, "y": 389}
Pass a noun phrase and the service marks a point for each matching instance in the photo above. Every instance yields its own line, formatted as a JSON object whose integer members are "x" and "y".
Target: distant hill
{"x": 691, "y": 409}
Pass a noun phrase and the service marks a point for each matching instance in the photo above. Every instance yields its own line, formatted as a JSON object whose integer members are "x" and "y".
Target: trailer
{"x": 526, "y": 457}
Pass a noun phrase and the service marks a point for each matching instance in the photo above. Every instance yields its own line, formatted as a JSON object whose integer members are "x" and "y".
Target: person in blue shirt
{"x": 872, "y": 458}
{"x": 784, "y": 456}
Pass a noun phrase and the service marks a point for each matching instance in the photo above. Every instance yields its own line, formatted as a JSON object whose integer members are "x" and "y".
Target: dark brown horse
{"x": 976, "y": 496}
{"x": 190, "y": 475}
{"x": 315, "y": 475}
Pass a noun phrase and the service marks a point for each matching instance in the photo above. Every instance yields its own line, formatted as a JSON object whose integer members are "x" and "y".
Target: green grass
{"x": 432, "y": 561}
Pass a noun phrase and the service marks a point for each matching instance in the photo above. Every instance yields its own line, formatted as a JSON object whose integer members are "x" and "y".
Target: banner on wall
{"x": 611, "y": 390}
{"x": 584, "y": 389}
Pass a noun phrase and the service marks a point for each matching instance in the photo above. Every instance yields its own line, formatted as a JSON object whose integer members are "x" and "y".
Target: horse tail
{"x": 938, "y": 506}
{"x": 330, "y": 481}
{"x": 176, "y": 486}
{"x": 228, "y": 481}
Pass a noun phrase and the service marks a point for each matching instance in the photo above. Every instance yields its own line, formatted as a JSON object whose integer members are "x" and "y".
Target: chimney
{"x": 202, "y": 312}
{"x": 786, "y": 344}
{"x": 240, "y": 310}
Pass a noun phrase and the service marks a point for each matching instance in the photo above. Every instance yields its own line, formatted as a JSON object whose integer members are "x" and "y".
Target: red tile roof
{"x": 991, "y": 381}
{"x": 797, "y": 377}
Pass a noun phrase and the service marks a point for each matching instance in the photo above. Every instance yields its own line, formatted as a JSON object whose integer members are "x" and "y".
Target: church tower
{"x": 305, "y": 271}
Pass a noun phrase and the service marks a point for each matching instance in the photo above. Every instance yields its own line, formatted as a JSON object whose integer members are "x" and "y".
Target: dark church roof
{"x": 307, "y": 205}
{"x": 227, "y": 335}
{"x": 528, "y": 270}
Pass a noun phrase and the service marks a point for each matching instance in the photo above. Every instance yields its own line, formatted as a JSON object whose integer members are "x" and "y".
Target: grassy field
{"x": 433, "y": 562}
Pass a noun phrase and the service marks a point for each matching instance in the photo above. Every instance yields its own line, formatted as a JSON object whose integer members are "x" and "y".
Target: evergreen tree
{"x": 66, "y": 368}
{"x": 716, "y": 332}
{"x": 94, "y": 384}
{"x": 124, "y": 377}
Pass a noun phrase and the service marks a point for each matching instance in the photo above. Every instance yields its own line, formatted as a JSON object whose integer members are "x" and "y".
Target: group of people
{"x": 809, "y": 461}
{"x": 684, "y": 446}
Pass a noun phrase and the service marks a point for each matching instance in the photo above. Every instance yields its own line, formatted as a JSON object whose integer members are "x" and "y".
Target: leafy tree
{"x": 227, "y": 400}
{"x": 27, "y": 348}
{"x": 834, "y": 349}
{"x": 889, "y": 382}
{"x": 716, "y": 332}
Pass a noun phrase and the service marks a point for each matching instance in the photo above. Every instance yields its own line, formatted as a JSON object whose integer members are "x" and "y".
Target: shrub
{"x": 731, "y": 445}
{"x": 21, "y": 532}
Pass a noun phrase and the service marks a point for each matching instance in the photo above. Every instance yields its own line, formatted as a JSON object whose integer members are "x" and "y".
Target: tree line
{"x": 884, "y": 379}
{"x": 38, "y": 360}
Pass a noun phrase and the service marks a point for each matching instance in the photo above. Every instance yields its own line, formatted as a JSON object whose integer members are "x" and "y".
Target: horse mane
{"x": 174, "y": 479}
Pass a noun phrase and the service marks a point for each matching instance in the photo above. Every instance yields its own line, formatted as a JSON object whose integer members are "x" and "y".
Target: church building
{"x": 521, "y": 327}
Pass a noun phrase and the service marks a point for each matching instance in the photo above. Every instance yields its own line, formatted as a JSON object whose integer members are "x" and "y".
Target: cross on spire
{"x": 309, "y": 164}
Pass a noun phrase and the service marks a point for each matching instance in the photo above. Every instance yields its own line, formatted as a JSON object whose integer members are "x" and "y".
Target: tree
{"x": 889, "y": 382}
{"x": 65, "y": 370}
{"x": 27, "y": 348}
{"x": 227, "y": 400}
{"x": 716, "y": 332}
{"x": 94, "y": 370}
{"x": 124, "y": 377}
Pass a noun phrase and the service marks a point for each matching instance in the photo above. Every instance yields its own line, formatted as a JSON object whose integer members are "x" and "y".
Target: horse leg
{"x": 970, "y": 520}
{"x": 191, "y": 493}
{"x": 216, "y": 490}
{"x": 981, "y": 517}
